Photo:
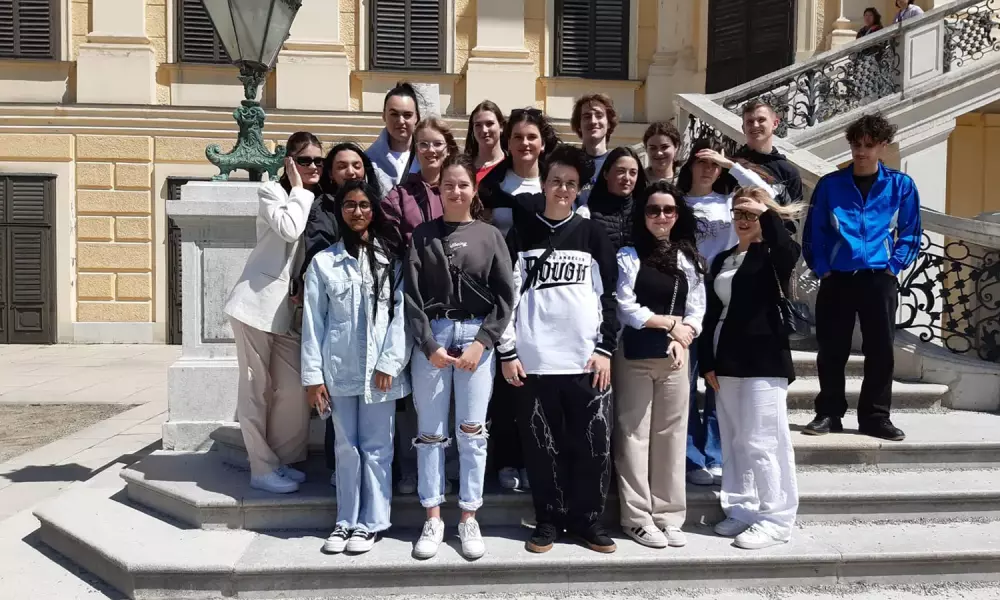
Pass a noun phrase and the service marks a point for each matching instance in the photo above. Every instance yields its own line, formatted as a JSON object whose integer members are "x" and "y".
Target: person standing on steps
{"x": 459, "y": 297}
{"x": 511, "y": 191}
{"x": 355, "y": 353}
{"x": 708, "y": 180}
{"x": 863, "y": 229}
{"x": 417, "y": 200}
{"x": 271, "y": 404}
{"x": 611, "y": 202}
{"x": 392, "y": 151}
{"x": 661, "y": 141}
{"x": 558, "y": 347}
{"x": 593, "y": 120}
{"x": 759, "y": 122}
{"x": 660, "y": 287}
{"x": 744, "y": 356}
{"x": 483, "y": 140}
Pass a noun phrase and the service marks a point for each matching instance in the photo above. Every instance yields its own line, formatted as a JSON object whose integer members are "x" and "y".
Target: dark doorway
{"x": 27, "y": 259}
{"x": 748, "y": 39}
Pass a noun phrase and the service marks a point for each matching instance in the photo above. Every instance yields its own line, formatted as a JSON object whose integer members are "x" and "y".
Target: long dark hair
{"x": 389, "y": 243}
{"x": 600, "y": 189}
{"x": 464, "y": 161}
{"x": 662, "y": 255}
{"x": 876, "y": 16}
{"x": 371, "y": 176}
{"x": 471, "y": 144}
{"x": 550, "y": 139}
{"x": 725, "y": 184}
{"x": 297, "y": 142}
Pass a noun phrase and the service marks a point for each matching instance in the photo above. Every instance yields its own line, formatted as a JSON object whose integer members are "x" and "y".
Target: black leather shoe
{"x": 823, "y": 425}
{"x": 882, "y": 429}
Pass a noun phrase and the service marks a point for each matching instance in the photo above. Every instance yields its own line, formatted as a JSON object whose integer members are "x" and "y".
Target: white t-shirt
{"x": 724, "y": 288}
{"x": 513, "y": 184}
{"x": 716, "y": 231}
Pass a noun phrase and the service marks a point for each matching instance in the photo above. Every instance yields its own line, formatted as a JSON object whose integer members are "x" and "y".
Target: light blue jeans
{"x": 364, "y": 461}
{"x": 431, "y": 395}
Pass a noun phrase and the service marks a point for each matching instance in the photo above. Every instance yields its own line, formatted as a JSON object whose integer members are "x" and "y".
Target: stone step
{"x": 198, "y": 489}
{"x": 145, "y": 557}
{"x": 805, "y": 364}
{"x": 905, "y": 395}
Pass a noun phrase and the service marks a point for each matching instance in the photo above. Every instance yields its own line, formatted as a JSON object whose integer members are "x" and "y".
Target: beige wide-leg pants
{"x": 651, "y": 406}
{"x": 271, "y": 407}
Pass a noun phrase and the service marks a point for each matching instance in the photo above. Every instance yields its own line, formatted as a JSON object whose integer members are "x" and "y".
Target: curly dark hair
{"x": 471, "y": 145}
{"x": 599, "y": 98}
{"x": 371, "y": 176}
{"x": 464, "y": 161}
{"x": 550, "y": 139}
{"x": 662, "y": 255}
{"x": 874, "y": 127}
{"x": 601, "y": 185}
{"x": 725, "y": 184}
{"x": 380, "y": 229}
{"x": 569, "y": 156}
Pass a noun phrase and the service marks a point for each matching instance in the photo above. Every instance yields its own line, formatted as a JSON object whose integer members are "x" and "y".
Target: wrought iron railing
{"x": 971, "y": 33}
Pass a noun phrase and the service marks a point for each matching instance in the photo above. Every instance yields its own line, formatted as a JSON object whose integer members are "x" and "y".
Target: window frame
{"x": 445, "y": 26}
{"x": 625, "y": 74}
{"x": 55, "y": 33}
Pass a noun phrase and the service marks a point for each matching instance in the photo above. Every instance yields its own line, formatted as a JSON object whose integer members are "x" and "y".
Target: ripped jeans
{"x": 432, "y": 397}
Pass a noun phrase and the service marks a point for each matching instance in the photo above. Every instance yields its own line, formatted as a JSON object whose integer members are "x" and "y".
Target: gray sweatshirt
{"x": 478, "y": 249}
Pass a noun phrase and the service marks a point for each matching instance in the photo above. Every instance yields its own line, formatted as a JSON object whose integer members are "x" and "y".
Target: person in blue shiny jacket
{"x": 355, "y": 351}
{"x": 863, "y": 229}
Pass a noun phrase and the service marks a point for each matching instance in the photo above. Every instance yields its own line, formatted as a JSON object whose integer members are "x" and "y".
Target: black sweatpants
{"x": 872, "y": 296}
{"x": 505, "y": 439}
{"x": 566, "y": 428}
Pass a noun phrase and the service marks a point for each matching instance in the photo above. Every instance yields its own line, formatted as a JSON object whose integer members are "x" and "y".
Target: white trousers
{"x": 758, "y": 463}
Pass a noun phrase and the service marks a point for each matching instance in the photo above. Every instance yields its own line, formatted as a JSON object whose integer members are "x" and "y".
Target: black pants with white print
{"x": 565, "y": 426}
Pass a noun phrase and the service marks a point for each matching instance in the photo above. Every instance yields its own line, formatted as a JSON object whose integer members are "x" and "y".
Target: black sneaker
{"x": 882, "y": 429}
{"x": 597, "y": 539}
{"x": 823, "y": 425}
{"x": 337, "y": 542}
{"x": 542, "y": 538}
{"x": 361, "y": 541}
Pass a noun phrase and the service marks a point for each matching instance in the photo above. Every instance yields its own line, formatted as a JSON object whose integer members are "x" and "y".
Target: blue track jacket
{"x": 845, "y": 232}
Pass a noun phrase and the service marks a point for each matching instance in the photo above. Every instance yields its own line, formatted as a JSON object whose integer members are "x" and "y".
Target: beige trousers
{"x": 651, "y": 408}
{"x": 271, "y": 407}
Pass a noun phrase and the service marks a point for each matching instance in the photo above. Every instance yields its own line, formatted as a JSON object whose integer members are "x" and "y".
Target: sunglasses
{"x": 744, "y": 215}
{"x": 305, "y": 161}
{"x": 653, "y": 211}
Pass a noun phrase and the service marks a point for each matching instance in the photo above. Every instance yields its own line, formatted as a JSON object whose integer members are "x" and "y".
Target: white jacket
{"x": 260, "y": 297}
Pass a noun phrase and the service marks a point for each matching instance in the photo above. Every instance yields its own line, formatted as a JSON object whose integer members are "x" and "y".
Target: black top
{"x": 753, "y": 342}
{"x": 865, "y": 183}
{"x": 615, "y": 214}
{"x": 784, "y": 177}
{"x": 654, "y": 289}
{"x": 322, "y": 231}
{"x": 522, "y": 206}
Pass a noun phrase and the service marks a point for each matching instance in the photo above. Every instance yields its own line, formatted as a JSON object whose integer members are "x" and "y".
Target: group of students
{"x": 560, "y": 301}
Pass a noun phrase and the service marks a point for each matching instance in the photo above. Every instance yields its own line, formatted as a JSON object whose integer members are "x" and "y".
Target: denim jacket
{"x": 341, "y": 344}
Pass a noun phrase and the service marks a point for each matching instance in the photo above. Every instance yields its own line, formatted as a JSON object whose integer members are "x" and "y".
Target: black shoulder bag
{"x": 474, "y": 297}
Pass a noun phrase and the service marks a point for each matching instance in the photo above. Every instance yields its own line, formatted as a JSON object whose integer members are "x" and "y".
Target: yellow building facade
{"x": 99, "y": 132}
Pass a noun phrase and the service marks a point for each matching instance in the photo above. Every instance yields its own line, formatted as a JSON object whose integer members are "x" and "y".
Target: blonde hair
{"x": 789, "y": 212}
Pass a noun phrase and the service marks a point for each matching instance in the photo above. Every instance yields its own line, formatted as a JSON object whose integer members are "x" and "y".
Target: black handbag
{"x": 474, "y": 297}
{"x": 648, "y": 342}
{"x": 792, "y": 318}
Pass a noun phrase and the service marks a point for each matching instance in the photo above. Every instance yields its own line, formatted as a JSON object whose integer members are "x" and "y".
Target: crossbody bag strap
{"x": 553, "y": 242}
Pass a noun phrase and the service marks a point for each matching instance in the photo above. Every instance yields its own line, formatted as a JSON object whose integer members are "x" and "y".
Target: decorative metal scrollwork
{"x": 698, "y": 129}
{"x": 971, "y": 34}
{"x": 846, "y": 83}
{"x": 952, "y": 294}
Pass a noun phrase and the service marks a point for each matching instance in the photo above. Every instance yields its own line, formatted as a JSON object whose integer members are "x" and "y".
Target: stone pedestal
{"x": 117, "y": 65}
{"x": 217, "y": 222}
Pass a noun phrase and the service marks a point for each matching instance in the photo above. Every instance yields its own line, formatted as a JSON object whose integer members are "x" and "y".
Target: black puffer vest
{"x": 615, "y": 214}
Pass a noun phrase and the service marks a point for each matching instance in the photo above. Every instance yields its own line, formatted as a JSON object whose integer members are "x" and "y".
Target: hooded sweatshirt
{"x": 784, "y": 180}
{"x": 391, "y": 164}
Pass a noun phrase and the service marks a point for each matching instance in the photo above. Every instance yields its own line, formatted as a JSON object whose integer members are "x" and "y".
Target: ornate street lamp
{"x": 253, "y": 32}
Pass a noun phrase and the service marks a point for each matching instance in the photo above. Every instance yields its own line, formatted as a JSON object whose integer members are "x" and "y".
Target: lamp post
{"x": 253, "y": 32}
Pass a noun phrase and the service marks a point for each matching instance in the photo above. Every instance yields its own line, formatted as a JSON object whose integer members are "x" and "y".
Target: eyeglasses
{"x": 351, "y": 206}
{"x": 305, "y": 161}
{"x": 653, "y": 211}
{"x": 436, "y": 145}
{"x": 744, "y": 215}
{"x": 571, "y": 186}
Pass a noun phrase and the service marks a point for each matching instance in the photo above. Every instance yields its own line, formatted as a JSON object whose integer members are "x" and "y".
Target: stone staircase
{"x": 187, "y": 525}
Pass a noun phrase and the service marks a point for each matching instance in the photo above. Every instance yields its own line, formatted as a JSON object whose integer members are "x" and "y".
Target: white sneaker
{"x": 292, "y": 473}
{"x": 730, "y": 527}
{"x": 407, "y": 484}
{"x": 361, "y": 541}
{"x": 525, "y": 484}
{"x": 273, "y": 482}
{"x": 647, "y": 535}
{"x": 430, "y": 539}
{"x": 700, "y": 477}
{"x": 509, "y": 478}
{"x": 755, "y": 538}
{"x": 716, "y": 475}
{"x": 675, "y": 537}
{"x": 473, "y": 546}
{"x": 333, "y": 479}
{"x": 337, "y": 542}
